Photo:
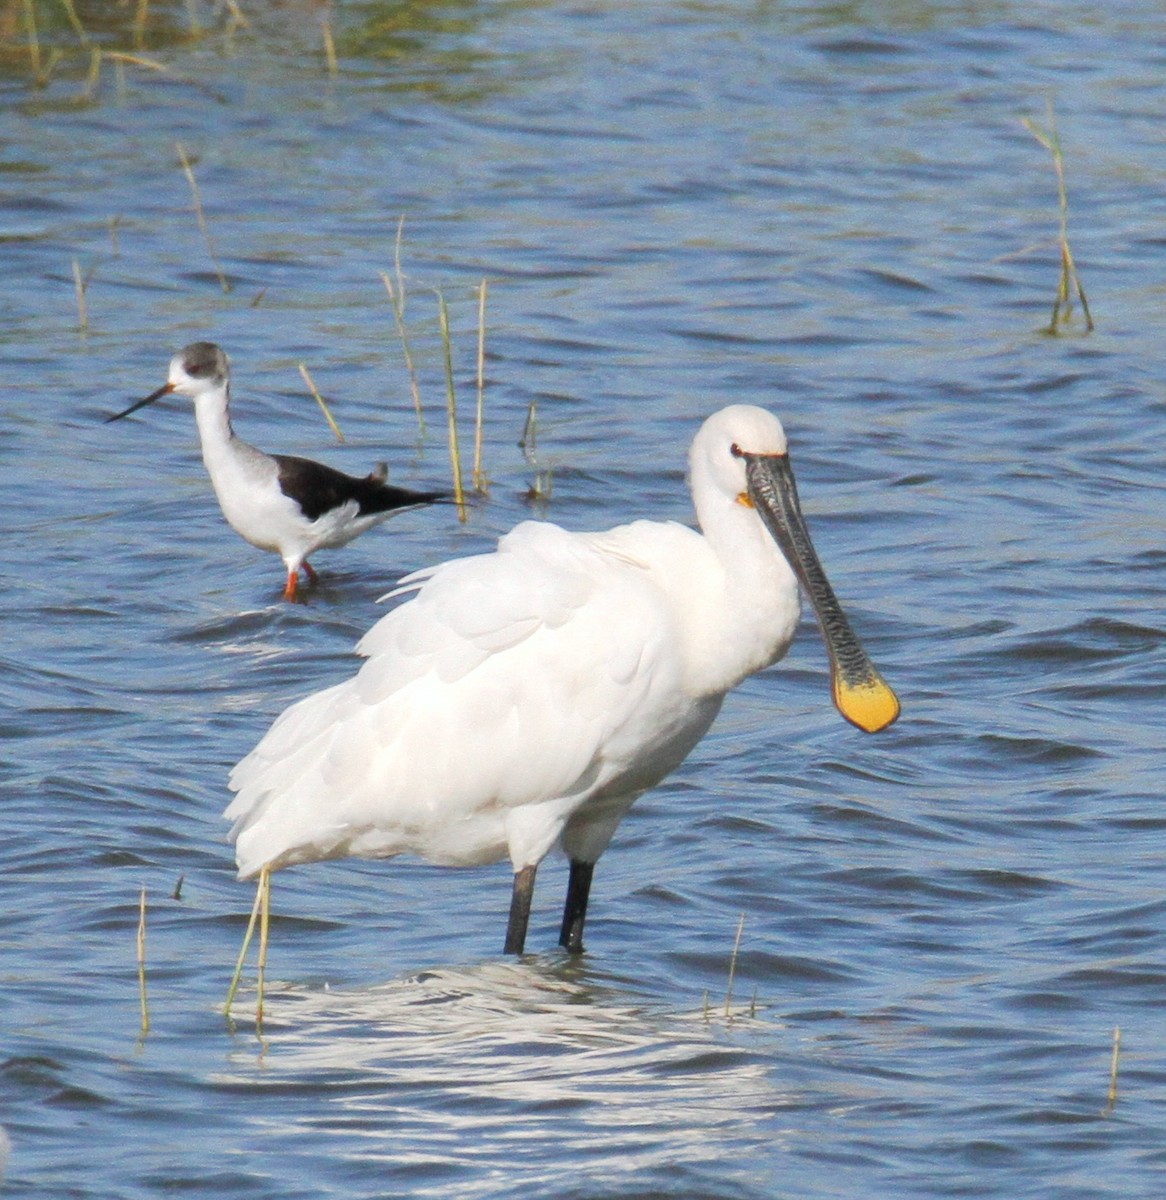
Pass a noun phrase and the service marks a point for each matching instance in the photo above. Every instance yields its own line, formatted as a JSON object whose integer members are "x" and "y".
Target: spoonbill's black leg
{"x": 575, "y": 909}
{"x": 519, "y": 910}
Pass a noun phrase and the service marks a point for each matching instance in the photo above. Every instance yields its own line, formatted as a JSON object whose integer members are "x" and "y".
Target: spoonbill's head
{"x": 741, "y": 454}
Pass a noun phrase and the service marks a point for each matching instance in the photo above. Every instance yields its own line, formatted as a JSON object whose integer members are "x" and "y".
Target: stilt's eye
{"x": 736, "y": 451}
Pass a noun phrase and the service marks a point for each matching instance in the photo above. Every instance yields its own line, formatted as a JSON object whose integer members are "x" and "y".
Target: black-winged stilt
{"x": 292, "y": 506}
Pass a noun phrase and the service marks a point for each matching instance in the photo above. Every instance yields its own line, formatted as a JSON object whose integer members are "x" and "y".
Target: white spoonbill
{"x": 523, "y": 699}
{"x": 293, "y": 506}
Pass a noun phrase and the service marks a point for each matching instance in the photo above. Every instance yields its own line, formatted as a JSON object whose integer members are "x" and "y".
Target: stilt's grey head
{"x": 200, "y": 367}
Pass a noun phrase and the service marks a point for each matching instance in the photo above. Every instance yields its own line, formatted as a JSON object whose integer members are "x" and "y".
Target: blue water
{"x": 834, "y": 211}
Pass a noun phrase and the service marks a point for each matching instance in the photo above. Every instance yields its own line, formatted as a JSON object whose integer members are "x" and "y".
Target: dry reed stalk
{"x": 93, "y": 76}
{"x": 237, "y": 19}
{"x": 528, "y": 444}
{"x": 192, "y": 14}
{"x": 320, "y": 401}
{"x": 224, "y": 283}
{"x": 120, "y": 57}
{"x": 75, "y": 21}
{"x": 141, "y": 16}
{"x": 330, "y": 48}
{"x": 1111, "y": 1100}
{"x": 733, "y": 966}
{"x": 481, "y": 483}
{"x": 455, "y": 457}
{"x": 143, "y": 999}
{"x": 79, "y": 286}
{"x": 245, "y": 947}
{"x": 42, "y": 69}
{"x": 264, "y": 925}
{"x": 33, "y": 39}
{"x": 1069, "y": 279}
{"x": 396, "y": 298}
{"x": 397, "y": 260}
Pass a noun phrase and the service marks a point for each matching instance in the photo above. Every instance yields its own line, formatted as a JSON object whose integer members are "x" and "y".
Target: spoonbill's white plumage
{"x": 292, "y": 506}
{"x": 524, "y": 698}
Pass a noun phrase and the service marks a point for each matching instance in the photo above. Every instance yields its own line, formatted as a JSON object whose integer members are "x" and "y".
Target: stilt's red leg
{"x": 293, "y": 579}
{"x": 312, "y": 576}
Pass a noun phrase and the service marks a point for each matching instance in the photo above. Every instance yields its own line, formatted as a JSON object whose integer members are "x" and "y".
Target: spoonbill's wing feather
{"x": 514, "y": 686}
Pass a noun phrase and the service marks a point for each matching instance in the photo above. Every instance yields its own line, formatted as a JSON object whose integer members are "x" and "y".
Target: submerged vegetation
{"x": 50, "y": 38}
{"x": 44, "y": 41}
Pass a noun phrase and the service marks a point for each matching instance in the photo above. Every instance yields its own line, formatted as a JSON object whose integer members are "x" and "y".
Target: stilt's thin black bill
{"x": 164, "y": 390}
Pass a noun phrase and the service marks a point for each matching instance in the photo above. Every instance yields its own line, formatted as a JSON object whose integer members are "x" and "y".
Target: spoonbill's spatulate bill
{"x": 292, "y": 506}
{"x": 523, "y": 699}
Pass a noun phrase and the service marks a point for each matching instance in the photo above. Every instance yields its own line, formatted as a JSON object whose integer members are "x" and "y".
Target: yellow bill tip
{"x": 871, "y": 704}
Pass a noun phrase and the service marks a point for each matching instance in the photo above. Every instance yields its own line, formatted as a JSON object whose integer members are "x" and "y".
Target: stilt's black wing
{"x": 318, "y": 489}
